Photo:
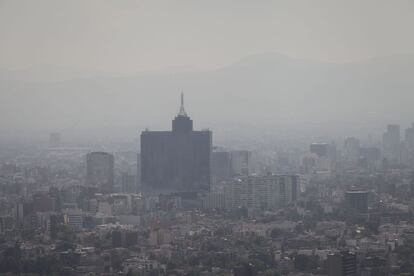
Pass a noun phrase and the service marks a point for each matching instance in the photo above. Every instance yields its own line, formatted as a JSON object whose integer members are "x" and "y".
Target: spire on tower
{"x": 182, "y": 110}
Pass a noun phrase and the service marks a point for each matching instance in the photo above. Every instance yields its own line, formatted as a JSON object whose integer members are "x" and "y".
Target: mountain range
{"x": 266, "y": 90}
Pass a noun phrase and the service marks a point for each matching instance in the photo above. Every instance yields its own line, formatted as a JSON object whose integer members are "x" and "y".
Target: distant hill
{"x": 261, "y": 90}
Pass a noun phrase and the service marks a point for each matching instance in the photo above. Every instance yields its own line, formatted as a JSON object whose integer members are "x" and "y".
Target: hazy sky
{"x": 67, "y": 45}
{"x": 131, "y": 36}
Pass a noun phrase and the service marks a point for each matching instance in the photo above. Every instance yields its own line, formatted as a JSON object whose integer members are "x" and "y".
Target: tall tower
{"x": 391, "y": 143}
{"x": 176, "y": 160}
{"x": 181, "y": 122}
{"x": 100, "y": 171}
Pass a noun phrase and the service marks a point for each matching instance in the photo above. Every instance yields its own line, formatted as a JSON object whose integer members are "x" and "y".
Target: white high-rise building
{"x": 266, "y": 192}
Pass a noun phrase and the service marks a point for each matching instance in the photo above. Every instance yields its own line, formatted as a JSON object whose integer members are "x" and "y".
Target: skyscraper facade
{"x": 320, "y": 149}
{"x": 100, "y": 171}
{"x": 351, "y": 152}
{"x": 356, "y": 201}
{"x": 269, "y": 192}
{"x": 240, "y": 162}
{"x": 220, "y": 166}
{"x": 409, "y": 137}
{"x": 177, "y": 160}
{"x": 391, "y": 142}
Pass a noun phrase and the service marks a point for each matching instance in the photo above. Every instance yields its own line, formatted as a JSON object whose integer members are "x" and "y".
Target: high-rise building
{"x": 138, "y": 174}
{"x": 43, "y": 203}
{"x": 356, "y": 201}
{"x": 177, "y": 160}
{"x": 409, "y": 137}
{"x": 324, "y": 156}
{"x": 100, "y": 171}
{"x": 391, "y": 142}
{"x": 351, "y": 152}
{"x": 271, "y": 191}
{"x": 240, "y": 162}
{"x": 372, "y": 154}
{"x": 369, "y": 157}
{"x": 128, "y": 183}
{"x": 407, "y": 147}
{"x": 73, "y": 218}
{"x": 342, "y": 264}
{"x": 320, "y": 149}
{"x": 220, "y": 166}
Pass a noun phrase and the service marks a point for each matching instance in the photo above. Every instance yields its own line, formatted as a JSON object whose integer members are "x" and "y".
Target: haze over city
{"x": 75, "y": 66}
{"x": 220, "y": 137}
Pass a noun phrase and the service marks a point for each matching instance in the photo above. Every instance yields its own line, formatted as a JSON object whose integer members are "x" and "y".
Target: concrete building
{"x": 342, "y": 264}
{"x": 409, "y": 137}
{"x": 240, "y": 162}
{"x": 391, "y": 142}
{"x": 100, "y": 171}
{"x": 213, "y": 201}
{"x": 320, "y": 149}
{"x": 356, "y": 201}
{"x": 267, "y": 192}
{"x": 371, "y": 154}
{"x": 221, "y": 168}
{"x": 351, "y": 152}
{"x": 73, "y": 218}
{"x": 324, "y": 156}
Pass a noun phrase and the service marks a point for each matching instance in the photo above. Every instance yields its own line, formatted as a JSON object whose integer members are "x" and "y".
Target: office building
{"x": 323, "y": 157}
{"x": 177, "y": 160}
{"x": 320, "y": 149}
{"x": 409, "y": 138}
{"x": 342, "y": 264}
{"x": 220, "y": 166}
{"x": 241, "y": 162}
{"x": 351, "y": 152}
{"x": 128, "y": 183}
{"x": 391, "y": 142}
{"x": 268, "y": 192}
{"x": 213, "y": 201}
{"x": 371, "y": 154}
{"x": 138, "y": 174}
{"x": 73, "y": 218}
{"x": 100, "y": 171}
{"x": 356, "y": 201}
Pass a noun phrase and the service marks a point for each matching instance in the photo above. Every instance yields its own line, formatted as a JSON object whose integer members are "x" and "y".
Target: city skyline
{"x": 291, "y": 154}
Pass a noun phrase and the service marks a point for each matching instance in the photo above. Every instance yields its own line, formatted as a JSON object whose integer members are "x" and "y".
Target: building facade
{"x": 261, "y": 192}
{"x": 100, "y": 171}
{"x": 391, "y": 143}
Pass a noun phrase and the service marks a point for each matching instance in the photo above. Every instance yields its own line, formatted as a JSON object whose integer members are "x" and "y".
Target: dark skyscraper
{"x": 100, "y": 171}
{"x": 177, "y": 160}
